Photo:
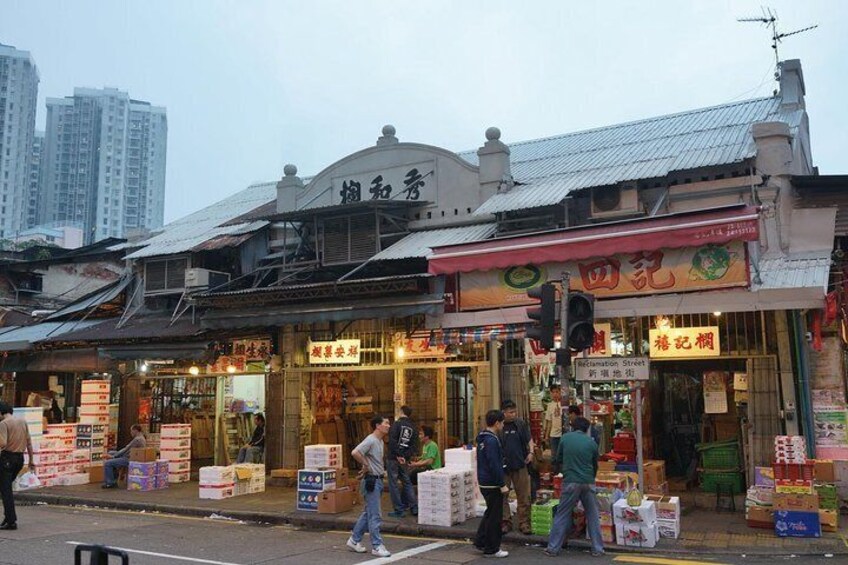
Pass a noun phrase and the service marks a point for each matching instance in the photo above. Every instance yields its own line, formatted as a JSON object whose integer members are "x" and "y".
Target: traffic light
{"x": 544, "y": 314}
{"x": 581, "y": 319}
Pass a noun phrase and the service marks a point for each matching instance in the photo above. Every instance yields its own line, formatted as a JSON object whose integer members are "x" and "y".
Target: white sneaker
{"x": 381, "y": 551}
{"x": 500, "y": 553}
{"x": 357, "y": 547}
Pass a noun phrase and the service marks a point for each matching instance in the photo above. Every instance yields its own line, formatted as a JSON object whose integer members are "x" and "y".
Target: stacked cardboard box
{"x": 636, "y": 526}
{"x": 94, "y": 402}
{"x": 606, "y": 499}
{"x": 175, "y": 448}
{"x": 43, "y": 458}
{"x": 91, "y": 440}
{"x": 147, "y": 475}
{"x": 323, "y": 455}
{"x": 668, "y": 515}
{"x": 464, "y": 459}
{"x": 441, "y": 497}
{"x": 63, "y": 442}
{"x": 217, "y": 482}
{"x": 312, "y": 482}
{"x": 249, "y": 478}
{"x": 654, "y": 472}
{"x": 828, "y": 495}
{"x": 796, "y": 505}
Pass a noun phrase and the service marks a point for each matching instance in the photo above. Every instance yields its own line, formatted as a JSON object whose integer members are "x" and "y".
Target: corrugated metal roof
{"x": 22, "y": 338}
{"x": 787, "y": 272}
{"x": 96, "y": 298}
{"x": 186, "y": 233}
{"x": 152, "y": 327}
{"x": 555, "y": 166}
{"x": 420, "y": 244}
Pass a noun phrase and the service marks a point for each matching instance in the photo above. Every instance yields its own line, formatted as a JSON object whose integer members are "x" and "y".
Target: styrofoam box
{"x": 179, "y": 477}
{"x": 669, "y": 528}
{"x": 75, "y": 479}
{"x": 217, "y": 492}
{"x": 217, "y": 475}
{"x": 94, "y": 419}
{"x": 257, "y": 488}
{"x": 101, "y": 397}
{"x": 45, "y": 444}
{"x": 61, "y": 429}
{"x": 241, "y": 489}
{"x": 645, "y": 513}
{"x": 637, "y": 535}
{"x": 175, "y": 443}
{"x": 94, "y": 410}
{"x": 89, "y": 386}
{"x": 175, "y": 454}
{"x": 168, "y": 431}
{"x": 179, "y": 466}
{"x": 461, "y": 457}
{"x": 42, "y": 458}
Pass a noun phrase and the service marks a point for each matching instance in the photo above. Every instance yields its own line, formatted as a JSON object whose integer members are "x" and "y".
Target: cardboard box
{"x": 606, "y": 466}
{"x": 645, "y": 513}
{"x": 637, "y": 535}
{"x": 793, "y": 524}
{"x": 654, "y": 472}
{"x": 825, "y": 471}
{"x": 143, "y": 454}
{"x": 829, "y": 520}
{"x": 217, "y": 492}
{"x": 764, "y": 477}
{"x": 307, "y": 500}
{"x": 798, "y": 502}
{"x": 317, "y": 480}
{"x": 668, "y": 507}
{"x": 760, "y": 516}
{"x": 793, "y": 487}
{"x": 669, "y": 528}
{"x": 179, "y": 476}
{"x": 141, "y": 483}
{"x": 335, "y": 501}
{"x": 140, "y": 469}
{"x": 95, "y": 474}
{"x": 175, "y": 454}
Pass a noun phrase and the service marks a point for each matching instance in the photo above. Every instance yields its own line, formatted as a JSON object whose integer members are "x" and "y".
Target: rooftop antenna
{"x": 769, "y": 19}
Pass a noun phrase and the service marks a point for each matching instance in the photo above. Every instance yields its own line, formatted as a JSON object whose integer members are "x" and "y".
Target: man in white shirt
{"x": 553, "y": 423}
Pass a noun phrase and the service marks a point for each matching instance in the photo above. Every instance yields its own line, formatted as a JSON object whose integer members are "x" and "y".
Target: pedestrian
{"x": 492, "y": 481}
{"x": 121, "y": 459}
{"x": 14, "y": 439}
{"x": 255, "y": 448}
{"x": 403, "y": 446}
{"x": 430, "y": 459}
{"x": 369, "y": 455}
{"x": 553, "y": 423}
{"x": 575, "y": 412}
{"x": 518, "y": 454}
{"x": 578, "y": 454}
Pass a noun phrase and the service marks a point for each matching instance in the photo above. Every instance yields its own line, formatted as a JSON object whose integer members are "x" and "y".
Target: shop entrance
{"x": 679, "y": 415}
{"x": 241, "y": 397}
{"x": 424, "y": 392}
{"x": 460, "y": 405}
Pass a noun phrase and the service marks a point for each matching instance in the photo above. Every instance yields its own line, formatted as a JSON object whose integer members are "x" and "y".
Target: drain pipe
{"x": 803, "y": 370}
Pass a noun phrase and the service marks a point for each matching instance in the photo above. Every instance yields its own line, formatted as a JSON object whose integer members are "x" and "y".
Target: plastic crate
{"x": 794, "y": 471}
{"x": 624, "y": 442}
{"x": 711, "y": 479}
{"x": 721, "y": 457}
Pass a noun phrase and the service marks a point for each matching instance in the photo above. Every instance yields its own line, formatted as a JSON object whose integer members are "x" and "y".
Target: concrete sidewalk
{"x": 703, "y": 529}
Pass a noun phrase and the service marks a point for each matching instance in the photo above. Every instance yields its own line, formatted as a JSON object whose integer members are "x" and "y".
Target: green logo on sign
{"x": 522, "y": 278}
{"x": 711, "y": 263}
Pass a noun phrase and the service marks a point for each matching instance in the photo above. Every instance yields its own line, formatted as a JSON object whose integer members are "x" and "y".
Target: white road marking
{"x": 404, "y": 554}
{"x": 165, "y": 555}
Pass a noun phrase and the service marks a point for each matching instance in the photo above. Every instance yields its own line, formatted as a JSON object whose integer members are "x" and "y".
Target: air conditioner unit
{"x": 204, "y": 278}
{"x": 615, "y": 201}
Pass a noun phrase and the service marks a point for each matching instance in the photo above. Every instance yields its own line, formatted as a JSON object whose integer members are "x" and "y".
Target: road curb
{"x": 324, "y": 522}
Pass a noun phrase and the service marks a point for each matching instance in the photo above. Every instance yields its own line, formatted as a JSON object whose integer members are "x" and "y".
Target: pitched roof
{"x": 420, "y": 244}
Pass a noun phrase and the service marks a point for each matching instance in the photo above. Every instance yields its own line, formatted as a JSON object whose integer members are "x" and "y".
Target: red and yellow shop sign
{"x": 339, "y": 352}
{"x": 417, "y": 346}
{"x": 629, "y": 274}
{"x": 685, "y": 342}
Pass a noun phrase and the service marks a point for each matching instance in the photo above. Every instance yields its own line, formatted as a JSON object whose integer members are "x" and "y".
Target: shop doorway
{"x": 678, "y": 416}
{"x": 460, "y": 406}
{"x": 425, "y": 394}
{"x": 241, "y": 396}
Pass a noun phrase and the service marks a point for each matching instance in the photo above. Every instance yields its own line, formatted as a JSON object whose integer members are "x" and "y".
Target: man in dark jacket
{"x": 403, "y": 445}
{"x": 491, "y": 478}
{"x": 518, "y": 454}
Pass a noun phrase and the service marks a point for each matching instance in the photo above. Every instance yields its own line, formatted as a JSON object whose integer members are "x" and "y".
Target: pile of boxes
{"x": 463, "y": 459}
{"x": 668, "y": 515}
{"x": 445, "y": 496}
{"x": 250, "y": 478}
{"x": 91, "y": 444}
{"x": 636, "y": 526}
{"x": 217, "y": 482}
{"x": 542, "y": 517}
{"x": 310, "y": 484}
{"x": 147, "y": 475}
{"x": 94, "y": 412}
{"x": 322, "y": 485}
{"x": 322, "y": 455}
{"x": 606, "y": 499}
{"x": 654, "y": 473}
{"x": 63, "y": 471}
{"x": 175, "y": 448}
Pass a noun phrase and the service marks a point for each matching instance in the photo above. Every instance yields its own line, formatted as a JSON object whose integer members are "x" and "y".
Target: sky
{"x": 252, "y": 85}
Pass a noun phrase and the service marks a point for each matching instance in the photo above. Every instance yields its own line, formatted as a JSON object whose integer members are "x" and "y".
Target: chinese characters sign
{"x": 685, "y": 342}
{"x": 602, "y": 347}
{"x": 339, "y": 352}
{"x": 418, "y": 347}
{"x": 628, "y": 274}
{"x": 415, "y": 182}
{"x": 252, "y": 349}
{"x": 602, "y": 344}
{"x": 225, "y": 361}
{"x": 612, "y": 369}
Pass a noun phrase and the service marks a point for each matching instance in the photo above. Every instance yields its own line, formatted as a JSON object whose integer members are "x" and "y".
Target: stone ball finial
{"x": 290, "y": 170}
{"x": 388, "y": 129}
{"x": 493, "y": 134}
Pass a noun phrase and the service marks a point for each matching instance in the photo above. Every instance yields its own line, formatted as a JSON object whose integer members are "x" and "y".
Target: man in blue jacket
{"x": 491, "y": 478}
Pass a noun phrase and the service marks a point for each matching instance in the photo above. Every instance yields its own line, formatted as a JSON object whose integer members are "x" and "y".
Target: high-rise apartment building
{"x": 36, "y": 174}
{"x": 104, "y": 163}
{"x": 18, "y": 103}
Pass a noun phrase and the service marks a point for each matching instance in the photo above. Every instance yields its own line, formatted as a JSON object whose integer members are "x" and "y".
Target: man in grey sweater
{"x": 117, "y": 459}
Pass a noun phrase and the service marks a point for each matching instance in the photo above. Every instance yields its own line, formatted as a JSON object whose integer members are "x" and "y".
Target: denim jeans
{"x": 248, "y": 454}
{"x": 404, "y": 498}
{"x": 370, "y": 519}
{"x": 110, "y": 466}
{"x": 554, "y": 451}
{"x": 571, "y": 493}
{"x": 11, "y": 464}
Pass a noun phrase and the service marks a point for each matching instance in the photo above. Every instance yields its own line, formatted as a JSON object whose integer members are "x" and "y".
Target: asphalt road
{"x": 48, "y": 535}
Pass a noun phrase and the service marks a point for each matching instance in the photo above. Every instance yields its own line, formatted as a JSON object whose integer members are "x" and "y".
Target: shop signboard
{"x": 662, "y": 271}
{"x": 418, "y": 346}
{"x": 676, "y": 343}
{"x": 224, "y": 362}
{"x": 338, "y": 352}
{"x": 252, "y": 349}
{"x": 609, "y": 369}
{"x": 415, "y": 182}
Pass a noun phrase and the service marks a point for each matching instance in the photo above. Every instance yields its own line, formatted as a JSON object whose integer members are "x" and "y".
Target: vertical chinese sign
{"x": 675, "y": 343}
{"x": 339, "y": 352}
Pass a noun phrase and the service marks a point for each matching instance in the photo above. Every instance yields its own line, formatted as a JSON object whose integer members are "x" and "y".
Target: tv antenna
{"x": 769, "y": 19}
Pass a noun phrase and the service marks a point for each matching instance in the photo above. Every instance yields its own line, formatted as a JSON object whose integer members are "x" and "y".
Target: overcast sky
{"x": 250, "y": 86}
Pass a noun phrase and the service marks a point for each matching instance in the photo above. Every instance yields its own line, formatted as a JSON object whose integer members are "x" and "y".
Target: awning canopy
{"x": 371, "y": 309}
{"x": 23, "y": 338}
{"x": 195, "y": 351}
{"x": 480, "y": 334}
{"x": 93, "y": 300}
{"x": 739, "y": 223}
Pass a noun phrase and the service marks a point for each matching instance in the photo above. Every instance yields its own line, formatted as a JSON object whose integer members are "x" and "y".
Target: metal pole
{"x": 639, "y": 465}
{"x": 564, "y": 370}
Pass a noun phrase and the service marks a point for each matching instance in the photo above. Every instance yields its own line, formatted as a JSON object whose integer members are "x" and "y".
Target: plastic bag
{"x": 27, "y": 481}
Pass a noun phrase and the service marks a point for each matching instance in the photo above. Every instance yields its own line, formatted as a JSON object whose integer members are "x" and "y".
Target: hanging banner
{"x": 630, "y": 274}
{"x": 675, "y": 343}
{"x": 339, "y": 352}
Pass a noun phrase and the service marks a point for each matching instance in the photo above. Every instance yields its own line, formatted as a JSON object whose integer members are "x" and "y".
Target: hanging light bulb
{"x": 194, "y": 370}
{"x": 144, "y": 368}
{"x": 400, "y": 352}
{"x": 231, "y": 369}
